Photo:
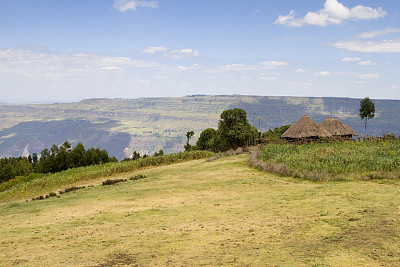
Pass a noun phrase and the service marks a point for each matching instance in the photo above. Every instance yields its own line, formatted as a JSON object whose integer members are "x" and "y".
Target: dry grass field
{"x": 200, "y": 213}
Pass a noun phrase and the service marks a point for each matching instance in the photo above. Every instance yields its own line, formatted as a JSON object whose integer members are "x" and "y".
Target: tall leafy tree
{"x": 79, "y": 157}
{"x": 234, "y": 130}
{"x": 207, "y": 140}
{"x": 367, "y": 111}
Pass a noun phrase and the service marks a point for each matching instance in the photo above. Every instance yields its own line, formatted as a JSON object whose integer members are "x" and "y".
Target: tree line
{"x": 55, "y": 159}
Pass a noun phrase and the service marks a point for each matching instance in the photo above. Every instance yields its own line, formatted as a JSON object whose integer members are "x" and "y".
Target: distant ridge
{"x": 122, "y": 126}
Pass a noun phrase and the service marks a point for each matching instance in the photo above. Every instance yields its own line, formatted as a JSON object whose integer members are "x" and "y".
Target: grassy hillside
{"x": 207, "y": 213}
{"x": 122, "y": 126}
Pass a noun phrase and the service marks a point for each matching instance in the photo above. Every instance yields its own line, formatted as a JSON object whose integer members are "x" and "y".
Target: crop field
{"x": 335, "y": 161}
{"x": 199, "y": 213}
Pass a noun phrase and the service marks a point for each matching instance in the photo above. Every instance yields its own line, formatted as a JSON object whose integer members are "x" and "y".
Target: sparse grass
{"x": 208, "y": 213}
{"x": 335, "y": 161}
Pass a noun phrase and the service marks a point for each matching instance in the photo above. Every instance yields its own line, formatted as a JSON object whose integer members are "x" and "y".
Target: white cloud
{"x": 274, "y": 64}
{"x": 236, "y": 67}
{"x": 182, "y": 53}
{"x": 369, "y": 76}
{"x": 333, "y": 12}
{"x": 386, "y": 46}
{"x": 373, "y": 34}
{"x": 322, "y": 73}
{"x": 267, "y": 78}
{"x": 366, "y": 63}
{"x": 351, "y": 59}
{"x": 155, "y": 49}
{"x": 191, "y": 67}
{"x": 264, "y": 65}
{"x": 111, "y": 68}
{"x": 172, "y": 54}
{"x": 124, "y": 5}
{"x": 42, "y": 65}
{"x": 300, "y": 70}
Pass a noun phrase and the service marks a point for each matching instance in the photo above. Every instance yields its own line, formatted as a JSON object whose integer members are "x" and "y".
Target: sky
{"x": 69, "y": 50}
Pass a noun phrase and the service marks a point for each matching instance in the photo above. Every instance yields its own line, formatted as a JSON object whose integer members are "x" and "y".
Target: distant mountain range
{"x": 122, "y": 126}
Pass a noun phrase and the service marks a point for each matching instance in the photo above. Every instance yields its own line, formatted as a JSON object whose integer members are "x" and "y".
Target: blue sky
{"x": 68, "y": 50}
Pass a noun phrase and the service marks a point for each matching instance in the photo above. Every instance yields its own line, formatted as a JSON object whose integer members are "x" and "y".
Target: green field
{"x": 335, "y": 161}
{"x": 199, "y": 213}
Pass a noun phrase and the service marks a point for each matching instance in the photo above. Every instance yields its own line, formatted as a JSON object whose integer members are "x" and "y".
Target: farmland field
{"x": 336, "y": 161}
{"x": 199, "y": 213}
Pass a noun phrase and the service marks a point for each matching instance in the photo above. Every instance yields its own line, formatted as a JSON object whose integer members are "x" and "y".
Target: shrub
{"x": 137, "y": 177}
{"x": 71, "y": 189}
{"x": 112, "y": 181}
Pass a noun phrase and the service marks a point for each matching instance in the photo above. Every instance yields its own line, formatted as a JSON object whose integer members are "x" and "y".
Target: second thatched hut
{"x": 337, "y": 128}
{"x": 305, "y": 129}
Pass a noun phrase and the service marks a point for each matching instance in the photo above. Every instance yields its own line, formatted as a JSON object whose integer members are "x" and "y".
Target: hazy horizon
{"x": 2, "y": 102}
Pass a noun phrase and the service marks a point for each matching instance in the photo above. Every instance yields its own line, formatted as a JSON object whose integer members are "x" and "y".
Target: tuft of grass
{"x": 138, "y": 177}
{"x": 112, "y": 181}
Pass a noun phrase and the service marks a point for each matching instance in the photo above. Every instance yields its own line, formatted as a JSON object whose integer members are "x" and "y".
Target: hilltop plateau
{"x": 122, "y": 126}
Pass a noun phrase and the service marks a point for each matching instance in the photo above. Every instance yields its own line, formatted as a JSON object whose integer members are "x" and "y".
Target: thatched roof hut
{"x": 338, "y": 128}
{"x": 305, "y": 128}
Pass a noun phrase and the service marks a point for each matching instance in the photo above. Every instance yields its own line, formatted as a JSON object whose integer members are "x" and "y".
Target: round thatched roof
{"x": 336, "y": 127}
{"x": 304, "y": 128}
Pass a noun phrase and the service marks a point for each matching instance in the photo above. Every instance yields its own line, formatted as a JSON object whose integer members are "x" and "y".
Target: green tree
{"x": 276, "y": 133}
{"x": 136, "y": 155}
{"x": 79, "y": 157}
{"x": 367, "y": 111}
{"x": 159, "y": 153}
{"x": 234, "y": 130}
{"x": 207, "y": 139}
{"x": 189, "y": 135}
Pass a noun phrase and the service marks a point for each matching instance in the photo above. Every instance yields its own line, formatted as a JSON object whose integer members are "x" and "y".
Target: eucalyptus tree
{"x": 367, "y": 111}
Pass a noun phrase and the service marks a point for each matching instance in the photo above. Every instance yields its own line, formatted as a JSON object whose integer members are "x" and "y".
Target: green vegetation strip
{"x": 334, "y": 161}
{"x": 20, "y": 188}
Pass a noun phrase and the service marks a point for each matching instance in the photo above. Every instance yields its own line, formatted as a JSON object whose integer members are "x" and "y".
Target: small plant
{"x": 38, "y": 198}
{"x": 137, "y": 177}
{"x": 111, "y": 181}
{"x": 71, "y": 189}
